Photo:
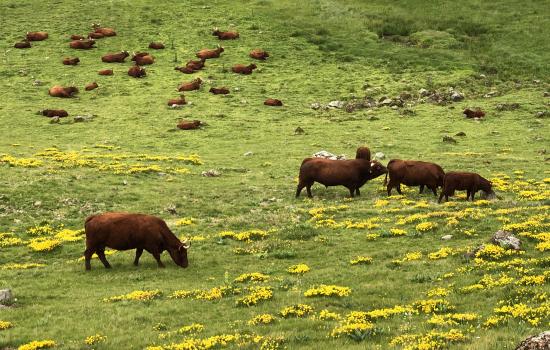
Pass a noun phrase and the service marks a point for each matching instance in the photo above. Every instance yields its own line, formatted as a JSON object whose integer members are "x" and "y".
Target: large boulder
{"x": 506, "y": 240}
{"x": 328, "y": 155}
{"x": 536, "y": 342}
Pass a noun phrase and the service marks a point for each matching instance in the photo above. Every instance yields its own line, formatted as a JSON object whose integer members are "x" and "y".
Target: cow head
{"x": 362, "y": 153}
{"x": 179, "y": 255}
{"x": 253, "y": 66}
{"x": 376, "y": 169}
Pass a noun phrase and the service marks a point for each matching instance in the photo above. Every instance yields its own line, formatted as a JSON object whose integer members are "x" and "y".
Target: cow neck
{"x": 171, "y": 240}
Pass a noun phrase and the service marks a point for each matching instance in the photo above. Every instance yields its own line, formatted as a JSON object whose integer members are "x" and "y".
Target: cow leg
{"x": 434, "y": 190}
{"x": 308, "y": 189}
{"x": 101, "y": 255}
{"x": 421, "y": 188}
{"x": 299, "y": 189}
{"x": 399, "y": 189}
{"x": 156, "y": 255}
{"x": 473, "y": 192}
{"x": 87, "y": 257}
{"x": 139, "y": 251}
{"x": 351, "y": 192}
{"x": 357, "y": 193}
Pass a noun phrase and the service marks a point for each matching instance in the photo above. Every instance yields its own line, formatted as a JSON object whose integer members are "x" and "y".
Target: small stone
{"x": 460, "y": 133}
{"x": 536, "y": 81}
{"x": 299, "y": 131}
{"x": 37, "y": 203}
{"x": 171, "y": 209}
{"x": 423, "y": 92}
{"x": 83, "y": 118}
{"x": 482, "y": 76}
{"x": 541, "y": 114}
{"x": 125, "y": 183}
{"x": 491, "y": 94}
{"x": 211, "y": 173}
{"x": 379, "y": 155}
{"x": 405, "y": 95}
{"x": 336, "y": 104}
{"x": 248, "y": 154}
{"x": 315, "y": 106}
{"x": 175, "y": 106}
{"x": 506, "y": 240}
{"x": 37, "y": 83}
{"x": 6, "y": 297}
{"x": 456, "y": 96}
{"x": 385, "y": 101}
{"x": 507, "y": 106}
{"x": 447, "y": 237}
{"x": 54, "y": 120}
{"x": 536, "y": 342}
{"x": 449, "y": 139}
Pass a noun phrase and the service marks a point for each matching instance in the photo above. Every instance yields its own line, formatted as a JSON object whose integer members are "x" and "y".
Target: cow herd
{"x": 354, "y": 173}
{"x": 140, "y": 59}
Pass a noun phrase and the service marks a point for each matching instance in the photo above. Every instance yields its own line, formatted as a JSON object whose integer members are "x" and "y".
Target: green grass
{"x": 320, "y": 51}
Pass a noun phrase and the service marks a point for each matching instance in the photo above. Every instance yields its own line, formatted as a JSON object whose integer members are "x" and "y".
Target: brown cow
{"x": 195, "y": 65}
{"x": 60, "y": 91}
{"x": 189, "y": 125}
{"x": 185, "y": 70}
{"x": 463, "y": 181}
{"x": 352, "y": 174}
{"x": 91, "y": 86}
{"x": 177, "y": 101}
{"x": 85, "y": 44}
{"x": 50, "y": 113}
{"x": 22, "y": 45}
{"x": 243, "y": 69}
{"x": 195, "y": 84}
{"x": 219, "y": 91}
{"x": 475, "y": 113}
{"x": 225, "y": 35}
{"x": 273, "y": 102}
{"x": 68, "y": 61}
{"x": 37, "y": 36}
{"x": 143, "y": 58}
{"x": 136, "y": 72}
{"x": 156, "y": 46}
{"x": 118, "y": 57}
{"x": 94, "y": 35}
{"x": 105, "y": 72}
{"x": 259, "y": 54}
{"x": 414, "y": 173}
{"x": 77, "y": 37}
{"x": 103, "y": 30}
{"x": 210, "y": 53}
{"x": 124, "y": 231}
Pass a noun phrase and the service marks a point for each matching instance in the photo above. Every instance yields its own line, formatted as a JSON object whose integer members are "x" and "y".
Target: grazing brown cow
{"x": 91, "y": 86}
{"x": 85, "y": 44}
{"x": 124, "y": 231}
{"x": 71, "y": 61}
{"x": 195, "y": 65}
{"x": 77, "y": 37}
{"x": 414, "y": 173}
{"x": 104, "y": 30}
{"x": 37, "y": 36}
{"x": 177, "y": 101}
{"x": 273, "y": 102}
{"x": 94, "y": 35}
{"x": 225, "y": 35}
{"x": 195, "y": 84}
{"x": 352, "y": 174}
{"x": 50, "y": 113}
{"x": 143, "y": 58}
{"x": 22, "y": 45}
{"x": 259, "y": 54}
{"x": 156, "y": 46}
{"x": 136, "y": 72}
{"x": 474, "y": 113}
{"x": 105, "y": 72}
{"x": 243, "y": 69}
{"x": 118, "y": 57}
{"x": 185, "y": 70}
{"x": 60, "y": 91}
{"x": 210, "y": 53}
{"x": 219, "y": 91}
{"x": 189, "y": 125}
{"x": 463, "y": 181}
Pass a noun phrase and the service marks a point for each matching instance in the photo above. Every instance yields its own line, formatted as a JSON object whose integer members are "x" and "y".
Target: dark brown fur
{"x": 189, "y": 125}
{"x": 91, "y": 86}
{"x": 105, "y": 30}
{"x": 105, "y": 72}
{"x": 156, "y": 46}
{"x": 225, "y": 35}
{"x": 94, "y": 35}
{"x": 243, "y": 69}
{"x": 50, "y": 113}
{"x": 37, "y": 36}
{"x": 185, "y": 70}
{"x": 352, "y": 174}
{"x": 85, "y": 44}
{"x": 195, "y": 84}
{"x": 124, "y": 231}
{"x": 60, "y": 91}
{"x": 362, "y": 153}
{"x": 136, "y": 72}
{"x": 143, "y": 58}
{"x": 414, "y": 173}
{"x": 71, "y": 61}
{"x": 22, "y": 45}
{"x": 209, "y": 53}
{"x": 118, "y": 57}
{"x": 259, "y": 54}
{"x": 77, "y": 37}
{"x": 219, "y": 91}
{"x": 473, "y": 113}
{"x": 177, "y": 101}
{"x": 463, "y": 181}
{"x": 195, "y": 65}
{"x": 273, "y": 102}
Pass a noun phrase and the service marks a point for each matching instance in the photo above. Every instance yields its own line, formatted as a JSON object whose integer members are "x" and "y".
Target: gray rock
{"x": 83, "y": 118}
{"x": 379, "y": 155}
{"x": 6, "y": 297}
{"x": 211, "y": 173}
{"x": 536, "y": 81}
{"x": 491, "y": 94}
{"x": 507, "y": 106}
{"x": 536, "y": 342}
{"x": 456, "y": 96}
{"x": 175, "y": 106}
{"x": 37, "y": 83}
{"x": 449, "y": 139}
{"x": 328, "y": 155}
{"x": 385, "y": 102}
{"x": 447, "y": 237}
{"x": 506, "y": 240}
{"x": 315, "y": 106}
{"x": 248, "y": 154}
{"x": 336, "y": 104}
{"x": 423, "y": 92}
{"x": 541, "y": 114}
{"x": 54, "y": 120}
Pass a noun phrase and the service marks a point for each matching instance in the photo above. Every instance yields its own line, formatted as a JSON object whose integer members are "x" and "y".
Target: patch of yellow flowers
{"x": 298, "y": 310}
{"x": 364, "y": 260}
{"x": 43, "y": 244}
{"x": 5, "y": 325}
{"x": 138, "y": 295}
{"x": 256, "y": 295}
{"x": 261, "y": 320}
{"x": 426, "y": 226}
{"x": 37, "y": 344}
{"x": 252, "y": 277}
{"x": 16, "y": 266}
{"x": 94, "y": 339}
{"x": 246, "y": 236}
{"x": 298, "y": 269}
{"x": 328, "y": 290}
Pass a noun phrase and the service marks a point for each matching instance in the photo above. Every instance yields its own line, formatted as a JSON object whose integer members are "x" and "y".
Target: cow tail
{"x": 386, "y": 179}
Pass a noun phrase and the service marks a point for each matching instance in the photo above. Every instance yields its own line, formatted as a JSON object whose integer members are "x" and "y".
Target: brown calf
{"x": 85, "y": 44}
{"x": 136, "y": 72}
{"x": 259, "y": 54}
{"x": 189, "y": 125}
{"x": 91, "y": 86}
{"x": 177, "y": 101}
{"x": 68, "y": 61}
{"x": 219, "y": 91}
{"x": 273, "y": 102}
{"x": 22, "y": 45}
{"x": 473, "y": 113}
{"x": 60, "y": 91}
{"x": 105, "y": 72}
{"x": 37, "y": 36}
{"x": 77, "y": 37}
{"x": 50, "y": 113}
{"x": 104, "y": 30}
{"x": 210, "y": 53}
{"x": 118, "y": 57}
{"x": 463, "y": 181}
{"x": 195, "y": 84}
{"x": 143, "y": 58}
{"x": 156, "y": 46}
{"x": 243, "y": 69}
{"x": 225, "y": 35}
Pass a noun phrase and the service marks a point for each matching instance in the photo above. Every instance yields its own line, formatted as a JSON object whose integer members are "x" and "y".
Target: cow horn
{"x": 186, "y": 244}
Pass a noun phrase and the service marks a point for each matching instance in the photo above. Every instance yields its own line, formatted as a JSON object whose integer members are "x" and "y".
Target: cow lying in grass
{"x": 60, "y": 91}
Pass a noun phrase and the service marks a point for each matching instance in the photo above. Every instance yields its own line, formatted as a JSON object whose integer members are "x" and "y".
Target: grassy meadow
{"x": 377, "y": 274}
